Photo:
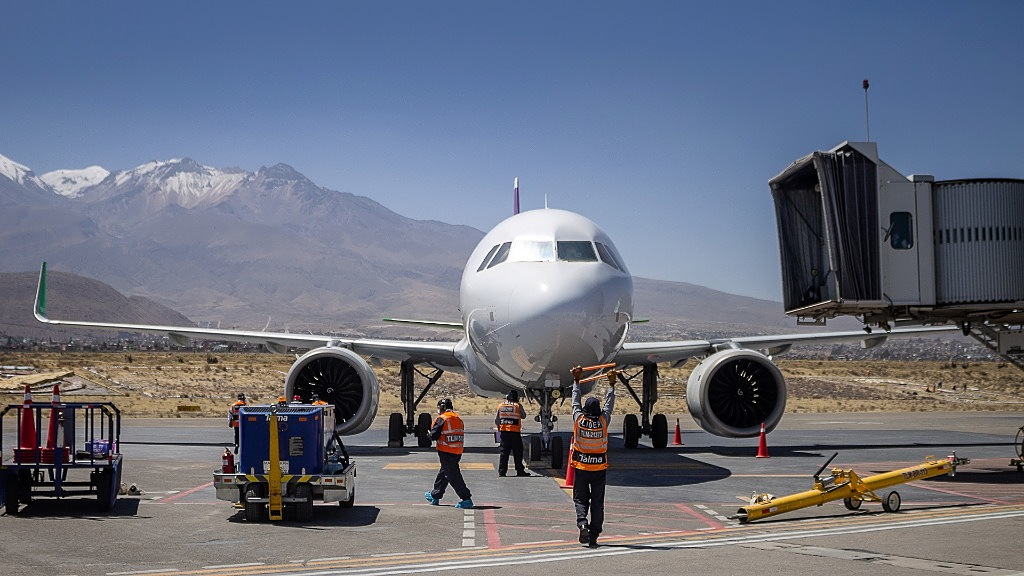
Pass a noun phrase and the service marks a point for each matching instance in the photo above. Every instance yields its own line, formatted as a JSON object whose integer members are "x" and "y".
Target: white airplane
{"x": 544, "y": 291}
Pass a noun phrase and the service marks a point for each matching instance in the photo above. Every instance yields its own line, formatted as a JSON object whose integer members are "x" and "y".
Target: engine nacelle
{"x": 732, "y": 392}
{"x": 340, "y": 377}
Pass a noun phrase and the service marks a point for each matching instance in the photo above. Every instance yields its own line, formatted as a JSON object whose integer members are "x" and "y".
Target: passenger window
{"x": 501, "y": 255}
{"x": 607, "y": 257}
{"x": 576, "y": 251}
{"x": 901, "y": 230}
{"x": 532, "y": 251}
{"x": 488, "y": 257}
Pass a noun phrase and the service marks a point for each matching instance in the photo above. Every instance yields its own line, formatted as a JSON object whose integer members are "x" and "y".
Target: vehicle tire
{"x": 25, "y": 482}
{"x": 852, "y": 503}
{"x": 304, "y": 507}
{"x": 891, "y": 502}
{"x": 659, "y": 431}
{"x": 396, "y": 431}
{"x": 12, "y": 494}
{"x": 423, "y": 430}
{"x": 535, "y": 448}
{"x": 104, "y": 481}
{"x": 630, "y": 431}
{"x": 556, "y": 452}
{"x": 254, "y": 510}
{"x": 351, "y": 499}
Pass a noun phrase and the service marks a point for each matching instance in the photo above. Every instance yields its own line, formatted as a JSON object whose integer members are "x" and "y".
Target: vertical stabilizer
{"x": 515, "y": 199}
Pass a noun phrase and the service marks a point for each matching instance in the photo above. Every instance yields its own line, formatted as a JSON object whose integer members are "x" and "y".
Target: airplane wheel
{"x": 891, "y": 503}
{"x": 396, "y": 431}
{"x": 630, "y": 431}
{"x": 556, "y": 452}
{"x": 659, "y": 431}
{"x": 423, "y": 430}
{"x": 535, "y": 448}
{"x": 852, "y": 503}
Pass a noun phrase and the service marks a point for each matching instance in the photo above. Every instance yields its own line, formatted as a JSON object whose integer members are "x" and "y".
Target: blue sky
{"x": 660, "y": 121}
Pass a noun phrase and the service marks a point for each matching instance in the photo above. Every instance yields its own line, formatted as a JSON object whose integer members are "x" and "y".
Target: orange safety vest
{"x": 453, "y": 434}
{"x": 508, "y": 417}
{"x": 234, "y": 412}
{"x": 590, "y": 443}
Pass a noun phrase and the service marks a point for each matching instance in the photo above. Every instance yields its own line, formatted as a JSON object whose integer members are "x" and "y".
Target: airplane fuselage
{"x": 544, "y": 291}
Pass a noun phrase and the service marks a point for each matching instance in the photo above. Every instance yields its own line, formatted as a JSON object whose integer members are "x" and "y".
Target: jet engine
{"x": 732, "y": 392}
{"x": 340, "y": 377}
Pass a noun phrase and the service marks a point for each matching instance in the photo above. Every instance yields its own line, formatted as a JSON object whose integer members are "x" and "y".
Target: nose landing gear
{"x": 547, "y": 444}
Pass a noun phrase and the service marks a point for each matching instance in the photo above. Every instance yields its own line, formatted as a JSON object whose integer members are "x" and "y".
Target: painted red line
{"x": 493, "y": 538}
{"x": 185, "y": 493}
{"x": 702, "y": 517}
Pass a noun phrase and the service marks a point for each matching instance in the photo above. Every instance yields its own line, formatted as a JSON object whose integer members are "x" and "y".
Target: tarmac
{"x": 667, "y": 510}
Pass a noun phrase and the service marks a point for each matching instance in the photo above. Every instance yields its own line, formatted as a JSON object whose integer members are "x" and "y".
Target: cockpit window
{"x": 608, "y": 257}
{"x": 524, "y": 250}
{"x": 501, "y": 255}
{"x": 488, "y": 257}
{"x": 576, "y": 251}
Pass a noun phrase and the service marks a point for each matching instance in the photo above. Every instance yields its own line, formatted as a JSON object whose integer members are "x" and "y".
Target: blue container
{"x": 302, "y": 433}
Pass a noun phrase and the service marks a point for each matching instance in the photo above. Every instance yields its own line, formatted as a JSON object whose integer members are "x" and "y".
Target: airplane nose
{"x": 557, "y": 326}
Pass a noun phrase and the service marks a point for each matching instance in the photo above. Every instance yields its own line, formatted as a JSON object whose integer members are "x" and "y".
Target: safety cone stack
{"x": 48, "y": 453}
{"x": 27, "y": 448}
{"x": 762, "y": 448}
{"x": 678, "y": 440}
{"x": 570, "y": 470}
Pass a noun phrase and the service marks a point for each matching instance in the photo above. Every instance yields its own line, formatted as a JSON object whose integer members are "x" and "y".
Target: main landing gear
{"x": 546, "y": 444}
{"x": 398, "y": 425}
{"x": 657, "y": 426}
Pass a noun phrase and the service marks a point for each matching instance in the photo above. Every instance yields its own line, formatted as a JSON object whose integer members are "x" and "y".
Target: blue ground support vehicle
{"x": 289, "y": 456}
{"x": 84, "y": 437}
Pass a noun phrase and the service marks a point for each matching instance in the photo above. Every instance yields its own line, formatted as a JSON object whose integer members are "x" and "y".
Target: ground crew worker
{"x": 316, "y": 401}
{"x": 233, "y": 416}
{"x": 449, "y": 434}
{"x": 509, "y": 420}
{"x": 590, "y": 457}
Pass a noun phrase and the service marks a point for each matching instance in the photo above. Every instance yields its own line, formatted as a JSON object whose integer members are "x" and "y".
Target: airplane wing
{"x": 441, "y": 354}
{"x": 773, "y": 344}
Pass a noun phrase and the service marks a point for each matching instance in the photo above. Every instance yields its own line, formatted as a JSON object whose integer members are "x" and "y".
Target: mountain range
{"x": 236, "y": 248}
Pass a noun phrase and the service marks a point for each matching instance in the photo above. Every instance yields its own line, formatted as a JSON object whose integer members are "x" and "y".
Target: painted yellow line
{"x": 433, "y": 466}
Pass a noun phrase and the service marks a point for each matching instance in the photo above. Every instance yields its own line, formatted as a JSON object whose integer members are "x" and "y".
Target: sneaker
{"x": 523, "y": 473}
{"x": 430, "y": 498}
{"x": 592, "y": 542}
{"x": 467, "y": 503}
{"x": 584, "y": 533}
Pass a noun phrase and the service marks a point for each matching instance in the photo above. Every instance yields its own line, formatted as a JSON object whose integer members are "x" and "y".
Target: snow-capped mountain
{"x": 20, "y": 174}
{"x": 70, "y": 183}
{"x": 181, "y": 181}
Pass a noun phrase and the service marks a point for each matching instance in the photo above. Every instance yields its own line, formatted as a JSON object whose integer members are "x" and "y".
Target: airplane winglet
{"x": 40, "y": 307}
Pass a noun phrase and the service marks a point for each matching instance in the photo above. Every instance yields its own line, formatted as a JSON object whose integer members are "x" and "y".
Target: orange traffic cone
{"x": 27, "y": 447}
{"x": 51, "y": 452}
{"x": 570, "y": 470}
{"x": 678, "y": 440}
{"x": 762, "y": 447}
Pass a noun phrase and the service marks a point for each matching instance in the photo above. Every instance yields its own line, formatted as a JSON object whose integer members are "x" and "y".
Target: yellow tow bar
{"x": 847, "y": 486}
{"x": 274, "y": 508}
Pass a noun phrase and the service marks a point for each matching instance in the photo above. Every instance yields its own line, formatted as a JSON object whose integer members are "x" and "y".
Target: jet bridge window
{"x": 576, "y": 251}
{"x": 901, "y": 230}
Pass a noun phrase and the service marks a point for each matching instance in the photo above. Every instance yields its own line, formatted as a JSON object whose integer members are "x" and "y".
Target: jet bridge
{"x": 857, "y": 238}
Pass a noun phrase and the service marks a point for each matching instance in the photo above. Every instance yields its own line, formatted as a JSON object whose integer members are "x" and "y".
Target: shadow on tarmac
{"x": 324, "y": 516}
{"x": 77, "y": 507}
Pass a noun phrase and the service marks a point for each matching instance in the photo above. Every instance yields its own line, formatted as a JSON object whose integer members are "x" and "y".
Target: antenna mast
{"x": 867, "y": 123}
